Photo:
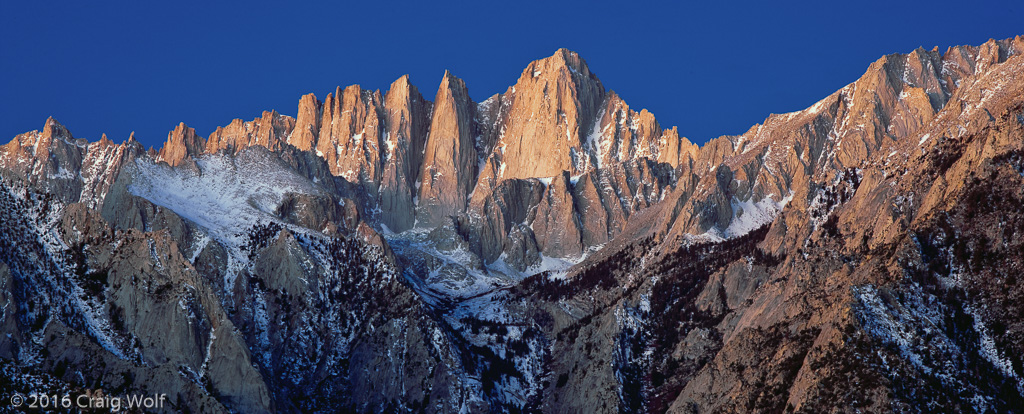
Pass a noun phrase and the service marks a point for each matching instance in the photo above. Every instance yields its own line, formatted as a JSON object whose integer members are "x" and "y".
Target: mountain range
{"x": 549, "y": 249}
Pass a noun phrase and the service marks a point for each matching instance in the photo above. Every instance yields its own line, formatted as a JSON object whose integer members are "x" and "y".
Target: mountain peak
{"x": 307, "y": 123}
{"x": 563, "y": 60}
{"x": 449, "y": 78}
{"x": 402, "y": 82}
{"x": 570, "y": 59}
{"x": 52, "y": 128}
{"x": 182, "y": 143}
{"x": 556, "y": 100}
{"x": 449, "y": 149}
{"x": 104, "y": 141}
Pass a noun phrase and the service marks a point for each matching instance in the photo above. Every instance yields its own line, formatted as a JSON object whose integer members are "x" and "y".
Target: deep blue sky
{"x": 712, "y": 68}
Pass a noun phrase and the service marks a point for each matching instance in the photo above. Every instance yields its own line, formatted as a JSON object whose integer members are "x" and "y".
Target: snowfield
{"x": 226, "y": 195}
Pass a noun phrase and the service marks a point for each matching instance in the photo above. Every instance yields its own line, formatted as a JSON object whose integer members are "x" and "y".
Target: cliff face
{"x": 548, "y": 249}
{"x": 182, "y": 143}
{"x": 268, "y": 131}
{"x": 449, "y": 156}
{"x": 553, "y": 105}
{"x": 406, "y": 118}
{"x": 307, "y": 123}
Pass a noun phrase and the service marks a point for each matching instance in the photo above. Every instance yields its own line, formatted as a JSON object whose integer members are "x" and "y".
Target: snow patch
{"x": 924, "y": 138}
{"x": 594, "y": 140}
{"x": 748, "y": 215}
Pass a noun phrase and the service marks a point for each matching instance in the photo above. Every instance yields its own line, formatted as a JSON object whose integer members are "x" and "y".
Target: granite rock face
{"x": 552, "y": 108}
{"x": 182, "y": 143}
{"x": 268, "y": 131}
{"x": 307, "y": 123}
{"x": 449, "y": 155}
{"x": 406, "y": 115}
{"x": 350, "y": 136}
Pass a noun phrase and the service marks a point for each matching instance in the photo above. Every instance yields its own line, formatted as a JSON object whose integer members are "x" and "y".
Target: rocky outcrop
{"x": 449, "y": 156}
{"x": 557, "y": 224}
{"x": 350, "y": 135}
{"x": 103, "y": 163}
{"x": 307, "y": 123}
{"x": 155, "y": 317}
{"x": 491, "y": 219}
{"x": 406, "y": 120}
{"x": 50, "y": 159}
{"x": 621, "y": 134}
{"x": 564, "y": 215}
{"x": 181, "y": 143}
{"x": 268, "y": 131}
{"x": 675, "y": 150}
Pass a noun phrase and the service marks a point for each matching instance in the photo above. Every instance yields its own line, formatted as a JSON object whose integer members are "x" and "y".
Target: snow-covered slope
{"x": 224, "y": 194}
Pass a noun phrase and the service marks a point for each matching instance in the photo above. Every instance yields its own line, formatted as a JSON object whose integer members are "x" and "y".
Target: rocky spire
{"x": 271, "y": 129}
{"x": 48, "y": 140}
{"x": 53, "y": 129}
{"x": 675, "y": 150}
{"x": 350, "y": 134}
{"x": 181, "y": 143}
{"x": 621, "y": 134}
{"x": 449, "y": 159}
{"x": 104, "y": 141}
{"x": 406, "y": 122}
{"x": 307, "y": 123}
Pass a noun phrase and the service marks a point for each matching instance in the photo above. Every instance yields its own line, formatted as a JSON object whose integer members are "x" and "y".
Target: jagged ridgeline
{"x": 547, "y": 250}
